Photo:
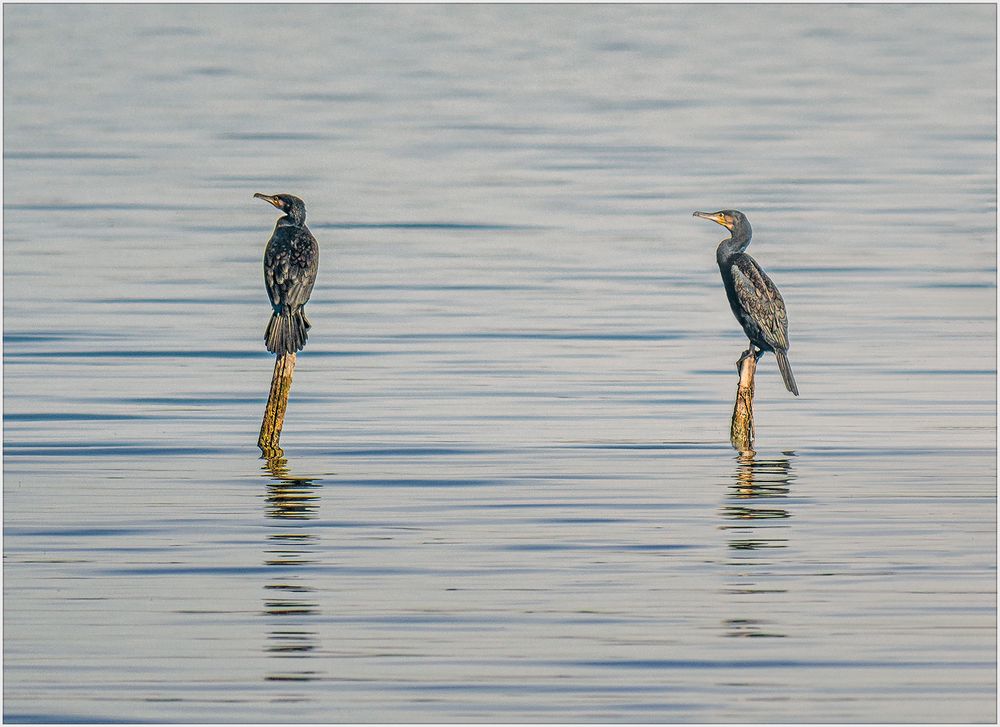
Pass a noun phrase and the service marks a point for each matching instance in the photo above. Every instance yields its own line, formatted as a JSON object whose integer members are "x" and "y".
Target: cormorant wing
{"x": 760, "y": 298}
{"x": 290, "y": 272}
{"x": 276, "y": 276}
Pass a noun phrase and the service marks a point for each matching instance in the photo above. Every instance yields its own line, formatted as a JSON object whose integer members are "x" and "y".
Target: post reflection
{"x": 756, "y": 522}
{"x": 289, "y": 603}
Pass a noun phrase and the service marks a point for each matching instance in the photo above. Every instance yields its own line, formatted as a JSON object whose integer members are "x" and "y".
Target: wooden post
{"x": 741, "y": 429}
{"x": 277, "y": 402}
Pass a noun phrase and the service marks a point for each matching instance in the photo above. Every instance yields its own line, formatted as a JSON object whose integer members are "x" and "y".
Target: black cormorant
{"x": 290, "y": 263}
{"x": 755, "y": 300}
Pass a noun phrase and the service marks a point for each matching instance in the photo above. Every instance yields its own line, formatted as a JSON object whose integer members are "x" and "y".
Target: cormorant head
{"x": 293, "y": 207}
{"x": 734, "y": 221}
{"x": 730, "y": 219}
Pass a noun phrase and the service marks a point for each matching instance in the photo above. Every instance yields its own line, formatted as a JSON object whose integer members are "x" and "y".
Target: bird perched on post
{"x": 290, "y": 263}
{"x": 755, "y": 300}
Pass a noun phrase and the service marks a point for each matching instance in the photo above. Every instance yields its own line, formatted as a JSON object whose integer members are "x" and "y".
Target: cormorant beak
{"x": 716, "y": 217}
{"x": 276, "y": 201}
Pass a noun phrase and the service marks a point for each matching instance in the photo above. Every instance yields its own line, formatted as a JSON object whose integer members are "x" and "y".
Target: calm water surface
{"x": 507, "y": 491}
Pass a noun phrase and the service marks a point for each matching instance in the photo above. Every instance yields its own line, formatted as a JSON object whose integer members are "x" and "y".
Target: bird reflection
{"x": 289, "y": 604}
{"x": 755, "y": 519}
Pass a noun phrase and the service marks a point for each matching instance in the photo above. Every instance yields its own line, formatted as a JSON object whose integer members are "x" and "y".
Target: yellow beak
{"x": 716, "y": 217}
{"x": 267, "y": 198}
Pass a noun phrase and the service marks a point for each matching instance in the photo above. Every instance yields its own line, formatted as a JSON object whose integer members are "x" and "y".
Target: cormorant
{"x": 290, "y": 263}
{"x": 755, "y": 300}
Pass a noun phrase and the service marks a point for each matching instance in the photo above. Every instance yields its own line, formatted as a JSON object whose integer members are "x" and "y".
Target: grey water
{"x": 507, "y": 491}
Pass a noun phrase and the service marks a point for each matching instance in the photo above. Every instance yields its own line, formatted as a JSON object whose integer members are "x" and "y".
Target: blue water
{"x": 507, "y": 491}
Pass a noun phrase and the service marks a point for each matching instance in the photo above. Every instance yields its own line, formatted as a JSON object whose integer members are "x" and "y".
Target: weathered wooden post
{"x": 277, "y": 402}
{"x": 741, "y": 429}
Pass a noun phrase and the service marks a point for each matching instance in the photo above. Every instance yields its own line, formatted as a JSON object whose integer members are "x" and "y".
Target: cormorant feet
{"x": 749, "y": 352}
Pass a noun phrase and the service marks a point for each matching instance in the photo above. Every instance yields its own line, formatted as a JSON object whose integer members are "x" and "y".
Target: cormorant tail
{"x": 786, "y": 372}
{"x": 287, "y": 333}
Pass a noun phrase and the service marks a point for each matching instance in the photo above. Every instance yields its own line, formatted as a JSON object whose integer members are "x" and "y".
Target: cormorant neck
{"x": 293, "y": 218}
{"x": 737, "y": 242}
